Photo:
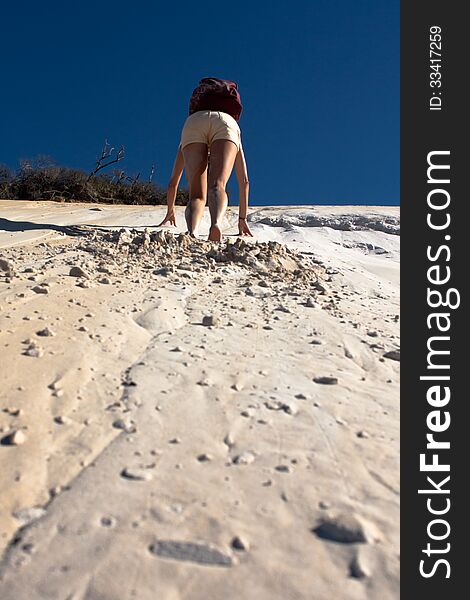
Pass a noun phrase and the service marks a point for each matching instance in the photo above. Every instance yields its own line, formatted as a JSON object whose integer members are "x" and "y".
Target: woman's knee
{"x": 217, "y": 185}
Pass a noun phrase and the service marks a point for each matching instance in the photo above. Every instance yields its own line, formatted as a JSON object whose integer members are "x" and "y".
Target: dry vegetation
{"x": 42, "y": 179}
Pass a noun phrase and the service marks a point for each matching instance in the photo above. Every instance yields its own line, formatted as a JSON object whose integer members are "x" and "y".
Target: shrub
{"x": 6, "y": 178}
{"x": 43, "y": 179}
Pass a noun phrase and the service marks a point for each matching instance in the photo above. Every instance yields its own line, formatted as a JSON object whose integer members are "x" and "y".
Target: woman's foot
{"x": 215, "y": 235}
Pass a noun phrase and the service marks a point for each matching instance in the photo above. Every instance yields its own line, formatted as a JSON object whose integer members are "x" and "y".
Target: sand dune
{"x": 180, "y": 420}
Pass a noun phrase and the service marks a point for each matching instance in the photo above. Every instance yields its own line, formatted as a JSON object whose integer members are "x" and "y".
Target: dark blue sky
{"x": 319, "y": 81}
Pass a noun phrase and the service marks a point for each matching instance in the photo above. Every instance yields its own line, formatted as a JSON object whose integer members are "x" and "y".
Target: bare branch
{"x": 133, "y": 180}
{"x": 105, "y": 153}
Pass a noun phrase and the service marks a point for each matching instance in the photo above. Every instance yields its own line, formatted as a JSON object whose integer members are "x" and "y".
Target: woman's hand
{"x": 169, "y": 218}
{"x": 243, "y": 228}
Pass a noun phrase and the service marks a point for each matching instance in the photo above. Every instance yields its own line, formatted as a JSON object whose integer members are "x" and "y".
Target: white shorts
{"x": 206, "y": 126}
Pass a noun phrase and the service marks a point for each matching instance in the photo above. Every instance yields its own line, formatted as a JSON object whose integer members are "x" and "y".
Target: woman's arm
{"x": 173, "y": 188}
{"x": 243, "y": 191}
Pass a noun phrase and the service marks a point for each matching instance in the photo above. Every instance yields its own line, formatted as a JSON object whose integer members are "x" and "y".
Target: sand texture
{"x": 183, "y": 420}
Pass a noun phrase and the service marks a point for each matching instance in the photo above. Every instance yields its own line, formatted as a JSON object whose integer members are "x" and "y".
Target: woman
{"x": 212, "y": 126}
{"x": 243, "y": 190}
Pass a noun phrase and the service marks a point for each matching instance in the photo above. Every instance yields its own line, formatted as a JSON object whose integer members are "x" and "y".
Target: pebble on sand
{"x": 210, "y": 320}
{"x": 108, "y": 521}
{"x": 245, "y": 458}
{"x": 393, "y": 355}
{"x": 39, "y": 289}
{"x": 240, "y": 543}
{"x": 274, "y": 404}
{"x": 204, "y": 554}
{"x": 126, "y": 425}
{"x": 358, "y": 567}
{"x": 204, "y": 457}
{"x": 326, "y": 380}
{"x": 15, "y": 438}
{"x": 290, "y": 408}
{"x": 347, "y": 528}
{"x": 34, "y": 350}
{"x": 5, "y": 265}
{"x": 77, "y": 271}
{"x": 46, "y": 332}
{"x": 323, "y": 288}
{"x": 13, "y": 411}
{"x": 136, "y": 474}
{"x": 229, "y": 440}
{"x": 62, "y": 420}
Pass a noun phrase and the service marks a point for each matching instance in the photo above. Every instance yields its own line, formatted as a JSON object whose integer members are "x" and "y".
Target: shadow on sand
{"x": 76, "y": 230}
{"x": 15, "y": 226}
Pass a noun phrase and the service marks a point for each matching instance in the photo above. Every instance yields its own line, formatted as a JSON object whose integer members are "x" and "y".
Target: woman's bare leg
{"x": 223, "y": 153}
{"x": 195, "y": 162}
{"x": 188, "y": 211}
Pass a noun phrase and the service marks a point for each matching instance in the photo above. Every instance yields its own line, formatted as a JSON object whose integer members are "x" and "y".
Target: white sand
{"x": 225, "y": 433}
